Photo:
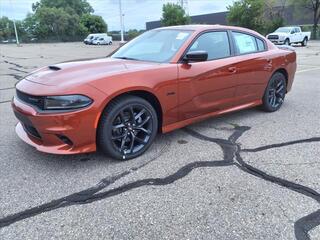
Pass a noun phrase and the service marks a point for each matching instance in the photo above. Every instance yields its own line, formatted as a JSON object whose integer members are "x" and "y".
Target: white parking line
{"x": 306, "y": 70}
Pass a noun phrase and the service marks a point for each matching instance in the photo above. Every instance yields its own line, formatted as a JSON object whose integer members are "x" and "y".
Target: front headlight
{"x": 66, "y": 102}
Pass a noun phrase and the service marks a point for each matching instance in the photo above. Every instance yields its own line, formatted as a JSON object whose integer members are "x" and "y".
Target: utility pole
{"x": 15, "y": 27}
{"x": 15, "y": 31}
{"x": 121, "y": 21}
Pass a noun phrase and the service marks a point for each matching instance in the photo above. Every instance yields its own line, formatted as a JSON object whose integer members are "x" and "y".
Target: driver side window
{"x": 216, "y": 44}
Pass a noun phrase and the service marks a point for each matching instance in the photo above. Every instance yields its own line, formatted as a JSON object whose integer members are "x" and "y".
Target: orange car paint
{"x": 186, "y": 92}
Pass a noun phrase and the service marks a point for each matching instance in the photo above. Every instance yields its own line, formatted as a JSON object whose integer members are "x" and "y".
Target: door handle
{"x": 232, "y": 69}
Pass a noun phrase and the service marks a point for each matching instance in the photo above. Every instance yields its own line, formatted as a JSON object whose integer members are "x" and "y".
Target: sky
{"x": 136, "y": 12}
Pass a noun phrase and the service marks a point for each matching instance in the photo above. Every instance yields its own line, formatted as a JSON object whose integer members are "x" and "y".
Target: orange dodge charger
{"x": 162, "y": 80}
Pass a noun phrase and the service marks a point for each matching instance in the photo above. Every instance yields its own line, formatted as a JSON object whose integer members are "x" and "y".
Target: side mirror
{"x": 292, "y": 32}
{"x": 195, "y": 56}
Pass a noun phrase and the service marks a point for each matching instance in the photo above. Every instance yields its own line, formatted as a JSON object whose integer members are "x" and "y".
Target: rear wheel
{"x": 127, "y": 127}
{"x": 275, "y": 93}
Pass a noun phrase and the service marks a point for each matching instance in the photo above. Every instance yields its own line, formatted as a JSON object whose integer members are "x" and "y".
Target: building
{"x": 211, "y": 18}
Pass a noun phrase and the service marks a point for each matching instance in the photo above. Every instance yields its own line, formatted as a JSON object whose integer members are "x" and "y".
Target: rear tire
{"x": 127, "y": 127}
{"x": 275, "y": 92}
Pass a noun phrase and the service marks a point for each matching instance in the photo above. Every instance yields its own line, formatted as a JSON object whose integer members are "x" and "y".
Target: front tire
{"x": 304, "y": 42}
{"x": 275, "y": 93}
{"x": 127, "y": 127}
{"x": 287, "y": 42}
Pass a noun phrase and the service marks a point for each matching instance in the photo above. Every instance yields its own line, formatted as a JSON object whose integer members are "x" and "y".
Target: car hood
{"x": 85, "y": 71}
{"x": 279, "y": 34}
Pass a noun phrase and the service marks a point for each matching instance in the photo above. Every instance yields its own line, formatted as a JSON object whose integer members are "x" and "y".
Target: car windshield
{"x": 155, "y": 46}
{"x": 284, "y": 29}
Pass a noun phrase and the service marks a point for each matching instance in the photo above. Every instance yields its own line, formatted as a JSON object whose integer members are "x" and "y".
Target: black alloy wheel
{"x": 131, "y": 129}
{"x": 275, "y": 93}
{"x": 127, "y": 128}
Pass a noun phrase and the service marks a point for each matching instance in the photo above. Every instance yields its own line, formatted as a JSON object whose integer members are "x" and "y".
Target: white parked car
{"x": 95, "y": 36}
{"x": 102, "y": 40}
{"x": 289, "y": 35}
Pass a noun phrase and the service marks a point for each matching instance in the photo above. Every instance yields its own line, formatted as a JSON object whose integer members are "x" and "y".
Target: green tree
{"x": 62, "y": 20}
{"x": 78, "y": 7}
{"x": 247, "y": 13}
{"x": 93, "y": 23}
{"x": 6, "y": 28}
{"x": 55, "y": 23}
{"x": 314, "y": 7}
{"x": 174, "y": 14}
{"x": 30, "y": 25}
{"x": 132, "y": 33}
{"x": 274, "y": 14}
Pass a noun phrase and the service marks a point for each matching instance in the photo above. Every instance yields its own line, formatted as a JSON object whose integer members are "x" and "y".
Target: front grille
{"x": 273, "y": 37}
{"x": 35, "y": 101}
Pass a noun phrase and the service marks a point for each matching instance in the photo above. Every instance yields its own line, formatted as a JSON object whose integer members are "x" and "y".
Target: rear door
{"x": 298, "y": 33}
{"x": 208, "y": 86}
{"x": 253, "y": 67}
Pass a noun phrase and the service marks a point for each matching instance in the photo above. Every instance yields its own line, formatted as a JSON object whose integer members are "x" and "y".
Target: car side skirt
{"x": 181, "y": 124}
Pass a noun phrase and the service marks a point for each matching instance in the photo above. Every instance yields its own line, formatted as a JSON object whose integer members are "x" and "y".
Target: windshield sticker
{"x": 181, "y": 35}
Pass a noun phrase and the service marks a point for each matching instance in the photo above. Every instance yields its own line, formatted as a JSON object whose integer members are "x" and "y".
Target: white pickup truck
{"x": 289, "y": 35}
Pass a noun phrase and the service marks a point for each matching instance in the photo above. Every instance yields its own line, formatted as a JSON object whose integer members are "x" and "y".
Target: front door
{"x": 208, "y": 86}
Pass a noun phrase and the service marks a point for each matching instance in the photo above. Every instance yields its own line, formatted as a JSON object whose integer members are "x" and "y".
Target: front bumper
{"x": 57, "y": 133}
{"x": 277, "y": 41}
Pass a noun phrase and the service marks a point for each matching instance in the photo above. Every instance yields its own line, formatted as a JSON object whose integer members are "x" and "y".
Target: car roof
{"x": 204, "y": 27}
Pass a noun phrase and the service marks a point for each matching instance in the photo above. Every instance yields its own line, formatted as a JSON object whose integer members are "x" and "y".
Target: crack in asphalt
{"x": 81, "y": 197}
{"x": 231, "y": 157}
{"x": 16, "y": 76}
{"x": 18, "y": 70}
{"x": 303, "y": 226}
{"x": 12, "y": 63}
{"x": 262, "y": 148}
{"x": 7, "y": 88}
{"x": 6, "y": 101}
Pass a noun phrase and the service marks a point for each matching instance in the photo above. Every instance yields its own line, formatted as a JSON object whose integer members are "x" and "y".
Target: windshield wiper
{"x": 127, "y": 58}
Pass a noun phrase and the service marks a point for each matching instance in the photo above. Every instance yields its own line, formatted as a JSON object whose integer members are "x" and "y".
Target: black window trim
{"x": 252, "y": 35}
{"x": 230, "y": 41}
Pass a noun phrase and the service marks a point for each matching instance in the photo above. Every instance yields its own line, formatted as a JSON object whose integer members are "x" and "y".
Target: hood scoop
{"x": 54, "y": 68}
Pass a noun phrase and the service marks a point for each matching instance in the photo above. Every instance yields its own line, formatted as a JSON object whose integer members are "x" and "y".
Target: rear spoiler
{"x": 286, "y": 47}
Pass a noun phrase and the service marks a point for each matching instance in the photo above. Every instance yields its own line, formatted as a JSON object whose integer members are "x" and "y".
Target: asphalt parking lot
{"x": 245, "y": 175}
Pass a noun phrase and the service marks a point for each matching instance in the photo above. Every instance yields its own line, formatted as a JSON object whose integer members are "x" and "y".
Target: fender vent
{"x": 54, "y": 68}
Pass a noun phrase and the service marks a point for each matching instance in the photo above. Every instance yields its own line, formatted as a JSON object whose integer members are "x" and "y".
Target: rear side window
{"x": 261, "y": 46}
{"x": 245, "y": 43}
{"x": 216, "y": 44}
